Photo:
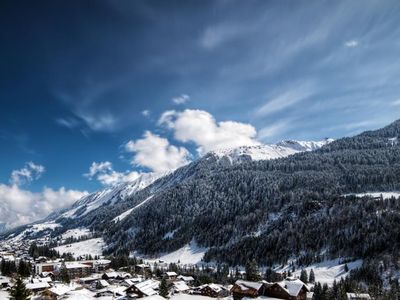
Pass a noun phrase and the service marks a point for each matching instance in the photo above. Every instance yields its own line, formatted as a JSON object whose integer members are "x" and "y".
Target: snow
{"x": 75, "y": 233}
{"x": 4, "y": 295}
{"x": 192, "y": 297}
{"x": 385, "y": 195}
{"x": 91, "y": 246}
{"x": 45, "y": 226}
{"x": 328, "y": 271}
{"x": 269, "y": 151}
{"x": 126, "y": 213}
{"x": 189, "y": 254}
{"x": 112, "y": 194}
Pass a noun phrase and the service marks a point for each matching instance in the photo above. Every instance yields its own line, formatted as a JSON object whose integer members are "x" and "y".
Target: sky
{"x": 94, "y": 93}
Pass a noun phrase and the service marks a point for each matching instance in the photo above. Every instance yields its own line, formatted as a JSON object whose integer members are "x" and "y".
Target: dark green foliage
{"x": 8, "y": 268}
{"x": 24, "y": 269}
{"x": 36, "y": 251}
{"x": 163, "y": 289}
{"x": 304, "y": 276}
{"x": 252, "y": 272}
{"x": 64, "y": 276}
{"x": 19, "y": 291}
{"x": 311, "y": 277}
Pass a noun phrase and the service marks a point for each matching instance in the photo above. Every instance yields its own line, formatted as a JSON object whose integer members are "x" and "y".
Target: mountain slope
{"x": 271, "y": 210}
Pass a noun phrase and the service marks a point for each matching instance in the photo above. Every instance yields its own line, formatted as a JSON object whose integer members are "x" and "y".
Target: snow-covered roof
{"x": 132, "y": 281}
{"x": 148, "y": 287}
{"x": 171, "y": 274}
{"x": 61, "y": 289}
{"x": 186, "y": 278}
{"x": 293, "y": 287}
{"x": 245, "y": 285}
{"x": 180, "y": 286}
{"x": 37, "y": 285}
{"x": 104, "y": 283}
{"x": 357, "y": 296}
{"x": 76, "y": 265}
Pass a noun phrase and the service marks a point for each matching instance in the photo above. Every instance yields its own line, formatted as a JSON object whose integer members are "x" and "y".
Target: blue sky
{"x": 108, "y": 82}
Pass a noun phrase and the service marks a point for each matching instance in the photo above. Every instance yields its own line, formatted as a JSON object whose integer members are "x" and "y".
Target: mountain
{"x": 268, "y": 151}
{"x": 303, "y": 204}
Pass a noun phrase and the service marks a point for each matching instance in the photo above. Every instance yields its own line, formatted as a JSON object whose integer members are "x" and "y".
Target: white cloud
{"x": 146, "y": 113}
{"x": 351, "y": 44}
{"x": 200, "y": 127}
{"x": 99, "y": 122}
{"x": 27, "y": 174}
{"x": 19, "y": 206}
{"x": 68, "y": 122}
{"x": 156, "y": 153}
{"x": 286, "y": 99}
{"x": 105, "y": 174}
{"x": 182, "y": 99}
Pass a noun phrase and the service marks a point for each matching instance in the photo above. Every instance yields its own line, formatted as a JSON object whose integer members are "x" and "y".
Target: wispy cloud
{"x": 286, "y": 99}
{"x": 27, "y": 174}
{"x": 106, "y": 175}
{"x": 351, "y": 44}
{"x": 182, "y": 99}
{"x": 272, "y": 130}
{"x": 146, "y": 113}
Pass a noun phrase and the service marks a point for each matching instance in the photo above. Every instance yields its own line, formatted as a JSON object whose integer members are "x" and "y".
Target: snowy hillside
{"x": 110, "y": 195}
{"x": 268, "y": 151}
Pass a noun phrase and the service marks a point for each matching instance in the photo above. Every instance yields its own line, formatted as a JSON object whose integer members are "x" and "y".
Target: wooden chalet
{"x": 247, "y": 289}
{"x": 289, "y": 289}
{"x": 213, "y": 290}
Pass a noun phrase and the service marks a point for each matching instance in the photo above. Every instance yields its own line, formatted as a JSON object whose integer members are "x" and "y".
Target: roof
{"x": 171, "y": 273}
{"x": 60, "y": 289}
{"x": 215, "y": 287}
{"x": 37, "y": 285}
{"x": 76, "y": 265}
{"x": 180, "y": 286}
{"x": 103, "y": 282}
{"x": 245, "y": 285}
{"x": 357, "y": 296}
{"x": 186, "y": 278}
{"x": 148, "y": 287}
{"x": 292, "y": 287}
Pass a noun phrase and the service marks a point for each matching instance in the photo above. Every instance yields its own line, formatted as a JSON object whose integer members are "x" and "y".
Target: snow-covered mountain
{"x": 111, "y": 195}
{"x": 268, "y": 151}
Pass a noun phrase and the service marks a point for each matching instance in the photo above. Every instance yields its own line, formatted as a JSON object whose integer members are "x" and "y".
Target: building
{"x": 212, "y": 290}
{"x": 289, "y": 289}
{"x": 247, "y": 289}
{"x": 145, "y": 288}
{"x": 358, "y": 296}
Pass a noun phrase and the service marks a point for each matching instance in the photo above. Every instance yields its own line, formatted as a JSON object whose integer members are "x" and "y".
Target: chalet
{"x": 145, "y": 288}
{"x": 171, "y": 276}
{"x": 247, "y": 289}
{"x": 116, "y": 275}
{"x": 212, "y": 290}
{"x": 180, "y": 287}
{"x": 289, "y": 289}
{"x": 37, "y": 286}
{"x": 78, "y": 269}
{"x": 187, "y": 279}
{"x": 141, "y": 268}
{"x": 358, "y": 296}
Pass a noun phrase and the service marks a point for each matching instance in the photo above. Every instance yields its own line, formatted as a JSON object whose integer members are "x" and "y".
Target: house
{"x": 247, "y": 289}
{"x": 141, "y": 268}
{"x": 171, "y": 276}
{"x": 116, "y": 275}
{"x": 358, "y": 296}
{"x": 212, "y": 290}
{"x": 187, "y": 279}
{"x": 290, "y": 289}
{"x": 37, "y": 286}
{"x": 145, "y": 288}
{"x": 180, "y": 287}
{"x": 102, "y": 283}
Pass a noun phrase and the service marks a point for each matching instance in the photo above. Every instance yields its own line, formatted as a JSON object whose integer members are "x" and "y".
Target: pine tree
{"x": 163, "y": 289}
{"x": 252, "y": 272}
{"x": 304, "y": 276}
{"x": 311, "y": 277}
{"x": 19, "y": 291}
{"x": 64, "y": 274}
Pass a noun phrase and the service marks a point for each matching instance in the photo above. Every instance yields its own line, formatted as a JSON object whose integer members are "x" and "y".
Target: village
{"x": 99, "y": 277}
